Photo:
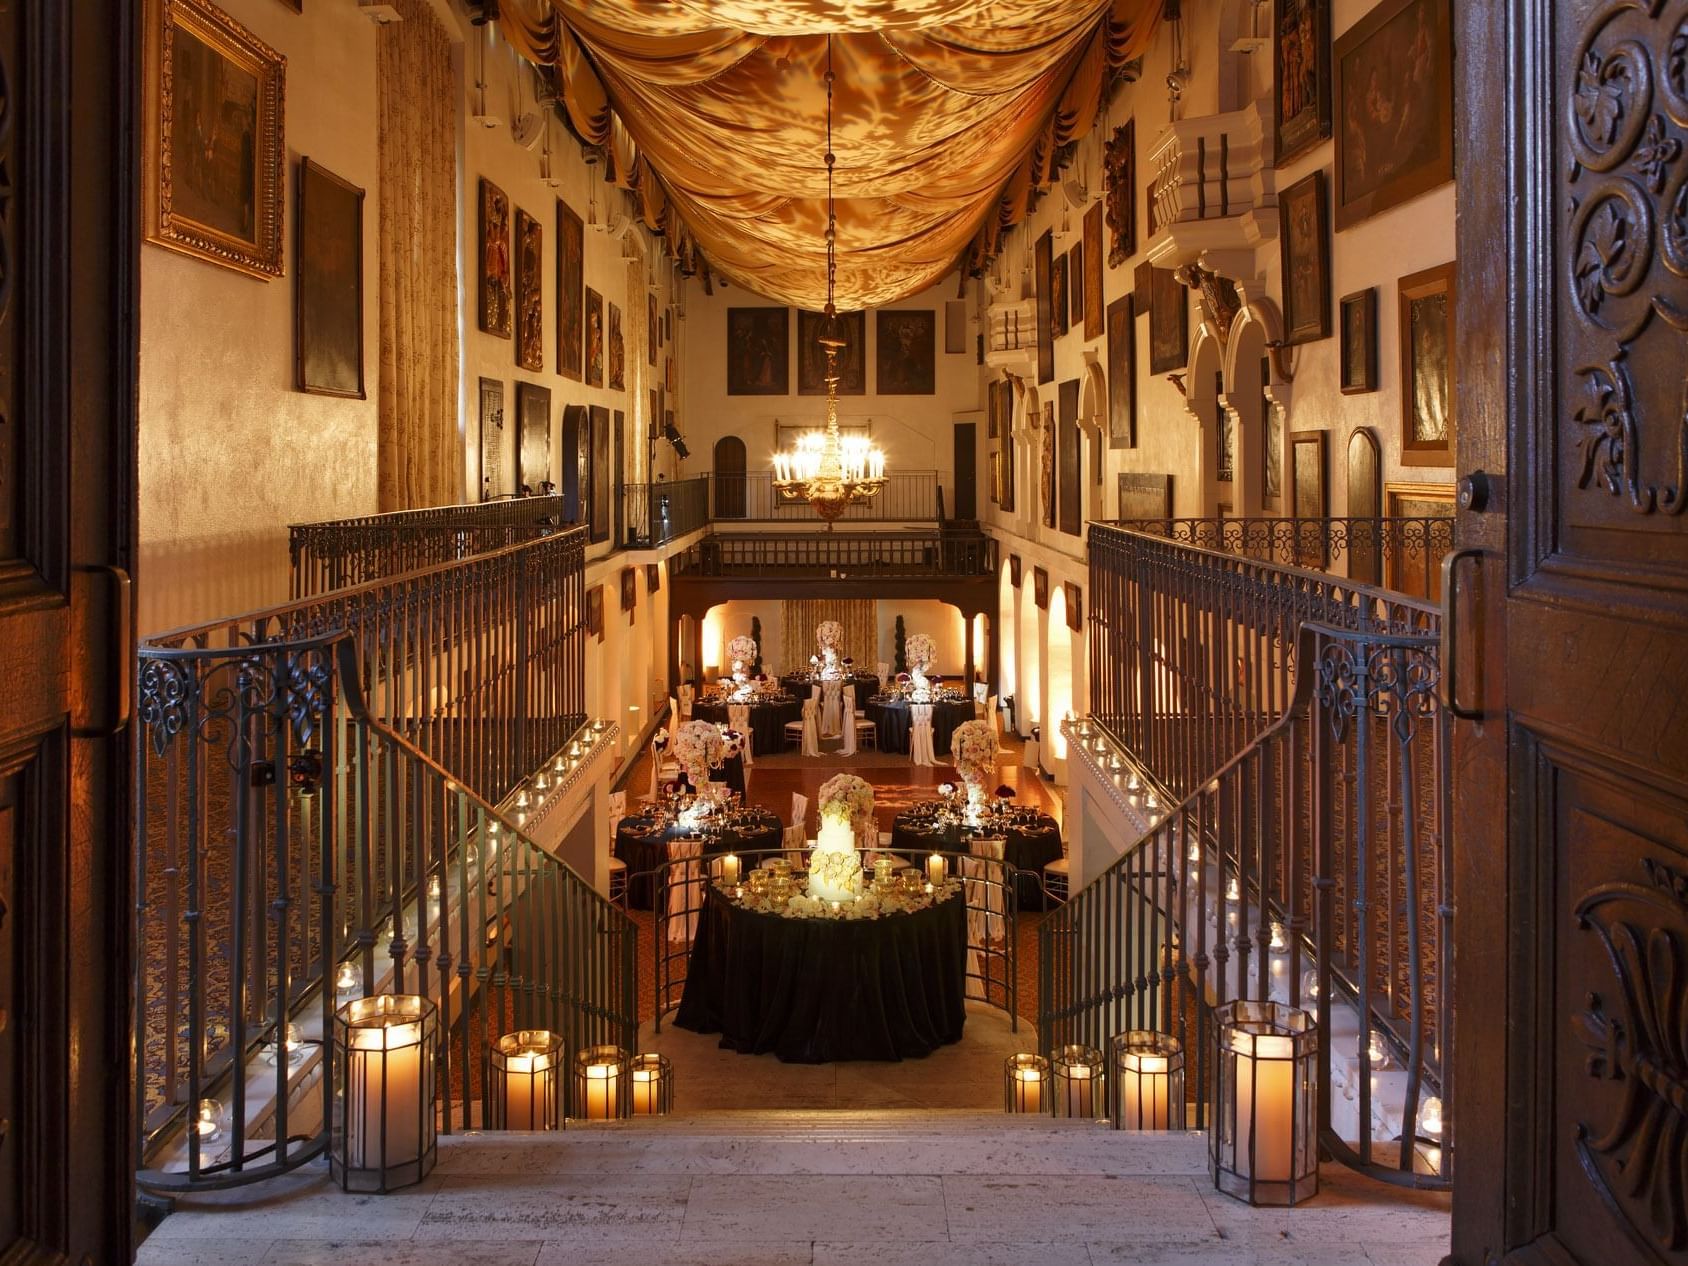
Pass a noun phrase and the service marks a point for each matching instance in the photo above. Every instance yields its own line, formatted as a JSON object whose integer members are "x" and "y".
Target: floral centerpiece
{"x": 922, "y": 652}
{"x": 973, "y": 747}
{"x": 829, "y": 638}
{"x": 741, "y": 653}
{"x": 698, "y": 748}
{"x": 835, "y": 867}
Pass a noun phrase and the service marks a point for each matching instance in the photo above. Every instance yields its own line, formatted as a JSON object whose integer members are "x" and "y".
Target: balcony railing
{"x": 662, "y": 512}
{"x": 909, "y": 496}
{"x": 343, "y": 552}
{"x": 838, "y": 556}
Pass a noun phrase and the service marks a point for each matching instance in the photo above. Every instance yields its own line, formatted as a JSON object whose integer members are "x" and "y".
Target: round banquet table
{"x": 1026, "y": 846}
{"x": 815, "y": 990}
{"x": 894, "y": 719}
{"x": 767, "y": 721}
{"x": 642, "y": 843}
{"x": 799, "y": 684}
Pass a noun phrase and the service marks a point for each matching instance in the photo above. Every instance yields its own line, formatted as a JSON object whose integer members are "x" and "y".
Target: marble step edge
{"x": 841, "y": 1123}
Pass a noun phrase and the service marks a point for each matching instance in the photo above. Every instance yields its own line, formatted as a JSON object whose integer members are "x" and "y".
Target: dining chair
{"x": 685, "y": 890}
{"x": 688, "y": 697}
{"x": 920, "y": 735}
{"x": 738, "y": 718}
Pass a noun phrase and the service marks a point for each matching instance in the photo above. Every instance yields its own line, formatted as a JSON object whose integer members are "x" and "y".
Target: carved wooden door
{"x": 68, "y": 219}
{"x": 1569, "y": 633}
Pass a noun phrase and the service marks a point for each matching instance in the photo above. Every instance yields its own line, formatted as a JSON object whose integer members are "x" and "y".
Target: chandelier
{"x": 823, "y": 468}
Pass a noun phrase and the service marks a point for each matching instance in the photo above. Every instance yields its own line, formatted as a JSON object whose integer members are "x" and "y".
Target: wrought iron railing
{"x": 838, "y": 555}
{"x": 1313, "y": 868}
{"x": 1403, "y": 555}
{"x": 661, "y": 512}
{"x": 909, "y": 496}
{"x": 1193, "y": 651}
{"x": 286, "y": 835}
{"x": 343, "y": 552}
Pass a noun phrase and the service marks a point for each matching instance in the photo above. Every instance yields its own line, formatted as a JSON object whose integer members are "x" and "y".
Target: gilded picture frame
{"x": 1426, "y": 333}
{"x": 1357, "y": 319}
{"x": 530, "y": 292}
{"x": 1304, "y": 237}
{"x": 495, "y": 310}
{"x": 1300, "y": 76}
{"x": 1119, "y": 165}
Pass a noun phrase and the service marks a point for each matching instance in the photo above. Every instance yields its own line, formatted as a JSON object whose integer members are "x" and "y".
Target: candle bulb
{"x": 935, "y": 867}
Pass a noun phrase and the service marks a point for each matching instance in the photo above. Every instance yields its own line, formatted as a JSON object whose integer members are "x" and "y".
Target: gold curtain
{"x": 859, "y": 616}
{"x": 948, "y": 114}
{"x": 419, "y": 452}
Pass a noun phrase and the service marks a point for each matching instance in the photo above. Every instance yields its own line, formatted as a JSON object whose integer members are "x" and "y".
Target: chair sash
{"x": 994, "y": 718}
{"x": 688, "y": 696}
{"x": 685, "y": 890}
{"x": 799, "y": 810}
{"x": 618, "y": 810}
{"x": 811, "y": 727}
{"x": 984, "y": 879}
{"x": 831, "y": 709}
{"x": 673, "y": 716}
{"x": 849, "y": 723}
{"x": 738, "y": 717}
{"x": 920, "y": 735}
{"x": 884, "y": 675}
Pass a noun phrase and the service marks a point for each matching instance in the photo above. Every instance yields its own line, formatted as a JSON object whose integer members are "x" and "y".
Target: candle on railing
{"x": 935, "y": 869}
{"x": 346, "y": 980}
{"x": 208, "y": 1120}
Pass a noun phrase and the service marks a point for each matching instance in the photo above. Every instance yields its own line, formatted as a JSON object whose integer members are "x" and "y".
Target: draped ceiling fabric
{"x": 947, "y": 115}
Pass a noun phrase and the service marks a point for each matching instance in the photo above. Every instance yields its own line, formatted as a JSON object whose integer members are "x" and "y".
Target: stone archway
{"x": 1093, "y": 421}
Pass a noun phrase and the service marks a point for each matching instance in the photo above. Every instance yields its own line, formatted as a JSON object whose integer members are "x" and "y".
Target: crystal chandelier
{"x": 822, "y": 468}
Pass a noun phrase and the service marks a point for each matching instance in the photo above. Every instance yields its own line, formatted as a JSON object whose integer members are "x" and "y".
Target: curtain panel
{"x": 859, "y": 616}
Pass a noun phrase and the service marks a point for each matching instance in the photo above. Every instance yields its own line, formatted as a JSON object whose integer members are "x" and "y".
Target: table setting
{"x": 726, "y": 826}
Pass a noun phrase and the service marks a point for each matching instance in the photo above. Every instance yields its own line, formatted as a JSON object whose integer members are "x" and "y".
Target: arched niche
{"x": 1058, "y": 693}
{"x": 1093, "y": 422}
{"x": 1252, "y": 383}
{"x": 730, "y": 480}
{"x": 1203, "y": 387}
{"x": 1008, "y": 652}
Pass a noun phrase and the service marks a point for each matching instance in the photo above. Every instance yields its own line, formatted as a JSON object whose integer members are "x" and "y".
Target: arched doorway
{"x": 730, "y": 478}
{"x": 1059, "y": 692}
{"x": 1009, "y": 633}
{"x": 1028, "y": 693}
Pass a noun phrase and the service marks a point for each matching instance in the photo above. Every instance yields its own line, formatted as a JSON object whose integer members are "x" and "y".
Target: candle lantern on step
{"x": 1148, "y": 1081}
{"x": 600, "y": 1084}
{"x": 1263, "y": 1146}
{"x": 383, "y": 1129}
{"x": 1026, "y": 1083}
{"x": 1077, "y": 1083}
{"x": 651, "y": 1077}
{"x": 524, "y": 1091}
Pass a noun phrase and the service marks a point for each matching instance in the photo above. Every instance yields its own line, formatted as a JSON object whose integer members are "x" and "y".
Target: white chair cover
{"x": 685, "y": 889}
{"x": 811, "y": 727}
{"x": 831, "y": 710}
{"x": 994, "y": 718}
{"x": 738, "y": 717}
{"x": 673, "y": 716}
{"x": 980, "y": 691}
{"x": 688, "y": 696}
{"x": 884, "y": 674}
{"x": 618, "y": 811}
{"x": 799, "y": 809}
{"x": 920, "y": 735}
{"x": 849, "y": 726}
{"x": 983, "y": 877}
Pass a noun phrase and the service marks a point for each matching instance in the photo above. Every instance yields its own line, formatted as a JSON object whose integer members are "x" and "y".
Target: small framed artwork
{"x": 1075, "y": 606}
{"x": 530, "y": 293}
{"x": 905, "y": 363}
{"x": 992, "y": 400}
{"x": 1075, "y": 286}
{"x": 1309, "y": 494}
{"x": 1006, "y": 452}
{"x": 1069, "y": 494}
{"x": 1014, "y": 570}
{"x": 1046, "y": 484}
{"x": 1393, "y": 88}
{"x": 1300, "y": 76}
{"x": 600, "y": 508}
{"x": 1058, "y": 294}
{"x": 1418, "y": 572}
{"x": 1122, "y": 374}
{"x": 1426, "y": 332}
{"x": 618, "y": 351}
{"x": 328, "y": 285}
{"x": 595, "y": 611}
{"x": 653, "y": 577}
{"x": 1040, "y": 588}
{"x": 1093, "y": 309}
{"x": 1364, "y": 485}
{"x": 1272, "y": 456}
{"x": 1359, "y": 342}
{"x": 629, "y": 588}
{"x": 214, "y": 163}
{"x": 1169, "y": 322}
{"x": 852, "y": 357}
{"x": 495, "y": 461}
{"x": 571, "y": 279}
{"x": 1043, "y": 255}
{"x": 653, "y": 329}
{"x": 1119, "y": 166}
{"x": 1305, "y": 249}
{"x": 594, "y": 338}
{"x": 497, "y": 304}
{"x": 758, "y": 351}
{"x": 1144, "y": 496}
{"x": 533, "y": 410}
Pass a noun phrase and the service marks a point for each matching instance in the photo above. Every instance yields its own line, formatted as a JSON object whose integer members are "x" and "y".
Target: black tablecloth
{"x": 895, "y": 719}
{"x": 1025, "y": 847}
{"x": 866, "y": 684}
{"x": 816, "y": 990}
{"x": 767, "y": 722}
{"x": 643, "y": 844}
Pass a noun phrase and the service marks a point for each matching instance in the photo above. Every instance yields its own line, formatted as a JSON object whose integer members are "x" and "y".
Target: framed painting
{"x": 1075, "y": 606}
{"x": 1040, "y": 587}
{"x": 1006, "y": 451}
{"x": 1119, "y": 169}
{"x": 1069, "y": 492}
{"x": 1309, "y": 495}
{"x": 577, "y": 463}
{"x": 595, "y": 611}
{"x": 328, "y": 284}
{"x": 992, "y": 401}
{"x": 495, "y": 460}
{"x": 1122, "y": 374}
{"x": 1015, "y": 569}
{"x": 906, "y": 362}
{"x": 600, "y": 509}
{"x": 852, "y": 358}
{"x": 1364, "y": 489}
{"x": 530, "y": 293}
{"x": 497, "y": 303}
{"x": 214, "y": 177}
{"x": 1169, "y": 322}
{"x": 1047, "y": 466}
{"x": 653, "y": 329}
{"x": 1058, "y": 294}
{"x": 629, "y": 588}
{"x": 1418, "y": 571}
{"x": 618, "y": 351}
{"x": 1393, "y": 89}
{"x": 1225, "y": 469}
{"x": 1075, "y": 286}
{"x": 1093, "y": 307}
{"x": 571, "y": 278}
{"x": 1426, "y": 333}
{"x": 594, "y": 338}
{"x": 1305, "y": 252}
{"x": 1144, "y": 496}
{"x": 1044, "y": 265}
{"x": 653, "y": 577}
{"x": 533, "y": 414}
{"x": 1358, "y": 320}
{"x": 758, "y": 351}
{"x": 1300, "y": 76}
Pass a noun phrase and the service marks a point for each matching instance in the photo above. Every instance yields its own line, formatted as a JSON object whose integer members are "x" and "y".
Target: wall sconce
{"x": 1024, "y": 1080}
{"x": 600, "y": 1077}
{"x": 384, "y": 1132}
{"x": 1079, "y": 1083}
{"x": 1263, "y": 1146}
{"x": 652, "y": 1079}
{"x": 524, "y": 1090}
{"x": 1148, "y": 1077}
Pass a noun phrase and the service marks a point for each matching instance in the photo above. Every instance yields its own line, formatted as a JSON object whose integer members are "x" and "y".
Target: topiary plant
{"x": 756, "y": 635}
{"x": 901, "y": 648}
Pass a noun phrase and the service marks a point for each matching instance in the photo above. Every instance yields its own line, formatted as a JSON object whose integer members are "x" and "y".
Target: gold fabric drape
{"x": 859, "y": 616}
{"x": 947, "y": 115}
{"x": 419, "y": 455}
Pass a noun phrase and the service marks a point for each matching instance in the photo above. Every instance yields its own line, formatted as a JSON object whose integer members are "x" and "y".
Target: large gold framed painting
{"x": 214, "y": 109}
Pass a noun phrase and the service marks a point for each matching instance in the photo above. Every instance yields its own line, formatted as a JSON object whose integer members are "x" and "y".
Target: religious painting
{"x": 1169, "y": 322}
{"x": 1015, "y": 567}
{"x": 533, "y": 414}
{"x": 1301, "y": 76}
{"x": 1069, "y": 492}
{"x": 214, "y": 154}
{"x": 1044, "y": 255}
{"x": 1309, "y": 495}
{"x": 1047, "y": 457}
{"x": 595, "y": 611}
{"x": 577, "y": 463}
{"x": 1093, "y": 305}
{"x": 618, "y": 351}
{"x": 497, "y": 305}
{"x": 1426, "y": 333}
{"x": 600, "y": 508}
{"x": 1058, "y": 295}
{"x": 1144, "y": 496}
{"x": 1305, "y": 252}
{"x": 571, "y": 278}
{"x": 758, "y": 351}
{"x": 594, "y": 338}
{"x": 906, "y": 361}
{"x": 1364, "y": 485}
{"x": 530, "y": 292}
{"x": 1226, "y": 439}
{"x": 1119, "y": 165}
{"x": 328, "y": 285}
{"x": 1419, "y": 571}
{"x": 1394, "y": 107}
{"x": 653, "y": 577}
{"x": 1122, "y": 374}
{"x": 1075, "y": 606}
{"x": 1040, "y": 587}
{"x": 992, "y": 400}
{"x": 1006, "y": 452}
{"x": 1075, "y": 286}
{"x": 652, "y": 329}
{"x": 495, "y": 464}
{"x": 1358, "y": 321}
{"x": 1272, "y": 454}
{"x": 629, "y": 588}
{"x": 852, "y": 357}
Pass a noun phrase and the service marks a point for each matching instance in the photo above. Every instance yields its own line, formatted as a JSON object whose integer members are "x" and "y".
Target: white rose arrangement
{"x": 922, "y": 651}
{"x": 741, "y": 653}
{"x": 698, "y": 748}
{"x": 973, "y": 747}
{"x": 829, "y": 635}
{"x": 848, "y": 798}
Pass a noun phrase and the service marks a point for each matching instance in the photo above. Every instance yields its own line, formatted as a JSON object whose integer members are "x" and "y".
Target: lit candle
{"x": 1144, "y": 1087}
{"x": 646, "y": 1083}
{"x": 601, "y": 1092}
{"x": 1265, "y": 1106}
{"x": 935, "y": 867}
{"x": 730, "y": 868}
{"x": 524, "y": 1093}
{"x": 346, "y": 978}
{"x": 386, "y": 1091}
{"x": 208, "y": 1121}
{"x": 1081, "y": 1091}
{"x": 1030, "y": 1088}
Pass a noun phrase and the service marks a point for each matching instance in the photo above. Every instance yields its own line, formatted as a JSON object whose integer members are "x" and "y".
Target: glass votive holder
{"x": 1078, "y": 1083}
{"x": 524, "y": 1089}
{"x": 758, "y": 882}
{"x": 600, "y": 1079}
{"x": 210, "y": 1119}
{"x": 1263, "y": 1146}
{"x": 651, "y": 1077}
{"x": 1025, "y": 1083}
{"x": 383, "y": 1134}
{"x": 1148, "y": 1081}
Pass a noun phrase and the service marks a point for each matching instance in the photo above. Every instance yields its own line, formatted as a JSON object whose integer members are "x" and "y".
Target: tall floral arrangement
{"x": 846, "y": 797}
{"x": 835, "y": 868}
{"x": 741, "y": 654}
{"x": 973, "y": 747}
{"x": 829, "y": 636}
{"x": 922, "y": 652}
{"x": 698, "y": 748}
